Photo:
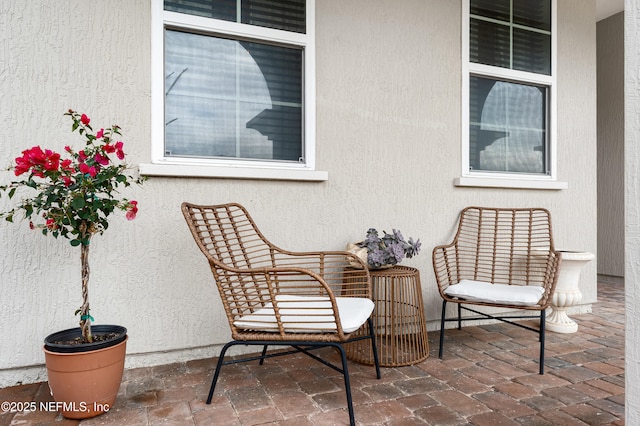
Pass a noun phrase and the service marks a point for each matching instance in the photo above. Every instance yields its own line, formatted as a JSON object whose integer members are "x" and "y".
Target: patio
{"x": 489, "y": 376}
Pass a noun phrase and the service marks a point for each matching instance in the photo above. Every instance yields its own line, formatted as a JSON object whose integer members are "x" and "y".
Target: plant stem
{"x": 85, "y": 321}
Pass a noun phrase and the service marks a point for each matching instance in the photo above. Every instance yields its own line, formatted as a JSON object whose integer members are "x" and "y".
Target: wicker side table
{"x": 398, "y": 320}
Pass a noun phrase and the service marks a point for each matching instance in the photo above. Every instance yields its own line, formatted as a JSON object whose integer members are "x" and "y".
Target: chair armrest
{"x": 352, "y": 259}
{"x": 343, "y": 272}
{"x": 445, "y": 266}
{"x": 551, "y": 277}
{"x": 269, "y": 287}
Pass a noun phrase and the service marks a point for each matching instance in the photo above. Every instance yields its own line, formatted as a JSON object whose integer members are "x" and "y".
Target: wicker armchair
{"x": 501, "y": 258}
{"x": 274, "y": 297}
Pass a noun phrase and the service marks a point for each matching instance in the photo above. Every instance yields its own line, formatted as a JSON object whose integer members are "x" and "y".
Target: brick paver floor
{"x": 488, "y": 377}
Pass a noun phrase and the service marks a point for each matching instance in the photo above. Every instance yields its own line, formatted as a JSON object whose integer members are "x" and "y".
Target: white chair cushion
{"x": 309, "y": 314}
{"x": 480, "y": 291}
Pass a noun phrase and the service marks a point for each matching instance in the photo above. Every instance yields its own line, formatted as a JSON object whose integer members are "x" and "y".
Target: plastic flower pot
{"x": 84, "y": 378}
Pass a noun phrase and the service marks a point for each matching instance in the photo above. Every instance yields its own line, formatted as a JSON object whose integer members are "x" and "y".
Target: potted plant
{"x": 73, "y": 197}
{"x": 383, "y": 252}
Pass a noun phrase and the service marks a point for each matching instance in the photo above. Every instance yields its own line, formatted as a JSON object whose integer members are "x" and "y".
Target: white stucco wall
{"x": 388, "y": 133}
{"x": 611, "y": 145}
{"x": 632, "y": 210}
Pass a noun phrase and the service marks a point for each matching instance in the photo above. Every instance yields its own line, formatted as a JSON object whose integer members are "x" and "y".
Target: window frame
{"x": 231, "y": 167}
{"x": 505, "y": 179}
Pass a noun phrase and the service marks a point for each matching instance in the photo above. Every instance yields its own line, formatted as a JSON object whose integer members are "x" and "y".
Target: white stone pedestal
{"x": 567, "y": 292}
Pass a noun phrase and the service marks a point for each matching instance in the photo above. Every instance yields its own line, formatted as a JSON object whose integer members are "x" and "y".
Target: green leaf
{"x": 75, "y": 126}
{"x": 11, "y": 192}
{"x": 78, "y": 203}
{"x": 75, "y": 242}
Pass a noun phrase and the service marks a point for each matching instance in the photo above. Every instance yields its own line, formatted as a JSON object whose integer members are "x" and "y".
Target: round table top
{"x": 395, "y": 270}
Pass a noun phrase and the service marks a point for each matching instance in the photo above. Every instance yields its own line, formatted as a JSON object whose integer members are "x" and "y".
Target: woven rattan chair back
{"x": 505, "y": 246}
{"x": 232, "y": 243}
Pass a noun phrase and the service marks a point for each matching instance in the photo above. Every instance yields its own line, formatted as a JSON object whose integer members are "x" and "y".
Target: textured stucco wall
{"x": 611, "y": 145}
{"x": 388, "y": 133}
{"x": 632, "y": 210}
{"x": 574, "y": 210}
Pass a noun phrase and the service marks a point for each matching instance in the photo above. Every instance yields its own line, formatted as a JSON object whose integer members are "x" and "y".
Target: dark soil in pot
{"x": 70, "y": 340}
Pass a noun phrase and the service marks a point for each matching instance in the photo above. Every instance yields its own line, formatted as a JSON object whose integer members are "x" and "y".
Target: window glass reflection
{"x": 507, "y": 126}
{"x": 228, "y": 98}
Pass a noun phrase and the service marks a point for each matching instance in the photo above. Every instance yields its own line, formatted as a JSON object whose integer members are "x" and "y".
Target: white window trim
{"x": 509, "y": 180}
{"x": 231, "y": 168}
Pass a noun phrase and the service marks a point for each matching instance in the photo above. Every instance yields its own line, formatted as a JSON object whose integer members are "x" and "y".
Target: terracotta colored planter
{"x": 85, "y": 384}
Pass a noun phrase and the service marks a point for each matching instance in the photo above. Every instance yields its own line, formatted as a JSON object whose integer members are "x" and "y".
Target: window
{"x": 236, "y": 87}
{"x": 507, "y": 126}
{"x": 509, "y": 89}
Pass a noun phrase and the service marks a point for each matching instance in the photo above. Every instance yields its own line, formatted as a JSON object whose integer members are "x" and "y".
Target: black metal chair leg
{"x": 459, "y": 316}
{"x": 543, "y": 321}
{"x": 374, "y": 348}
{"x": 444, "y": 308}
{"x": 217, "y": 373}
{"x": 305, "y": 348}
{"x": 347, "y": 384}
{"x": 264, "y": 352}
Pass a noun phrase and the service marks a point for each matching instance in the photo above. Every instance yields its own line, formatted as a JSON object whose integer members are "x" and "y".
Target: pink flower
{"x": 35, "y": 159}
{"x": 52, "y": 160}
{"x": 66, "y": 165}
{"x": 67, "y": 180}
{"x": 119, "y": 151}
{"x": 100, "y": 134}
{"x": 35, "y": 155}
{"x": 22, "y": 166}
{"x": 132, "y": 210}
{"x": 108, "y": 148}
{"x": 84, "y": 119}
{"x": 91, "y": 171}
{"x": 82, "y": 156}
{"x": 51, "y": 224}
{"x": 100, "y": 159}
